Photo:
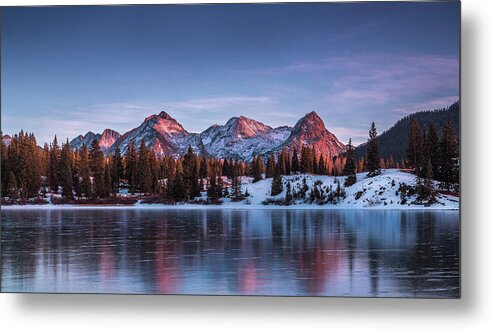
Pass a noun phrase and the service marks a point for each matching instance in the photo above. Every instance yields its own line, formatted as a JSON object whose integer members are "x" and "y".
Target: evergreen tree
{"x": 23, "y": 158}
{"x": 46, "y": 164}
{"x": 361, "y": 165}
{"x": 415, "y": 148}
{"x": 432, "y": 148}
{"x": 169, "y": 189}
{"x": 236, "y": 191}
{"x": 373, "y": 153}
{"x": 144, "y": 175}
{"x": 33, "y": 167}
{"x": 270, "y": 166}
{"x": 349, "y": 168}
{"x": 12, "y": 186}
{"x": 226, "y": 169}
{"x": 391, "y": 162}
{"x": 449, "y": 157}
{"x": 178, "y": 184}
{"x": 306, "y": 164}
{"x": 107, "y": 187}
{"x": 66, "y": 175}
{"x": 54, "y": 161}
{"x": 288, "y": 194}
{"x": 117, "y": 170}
{"x": 5, "y": 164}
{"x": 425, "y": 188}
{"x": 284, "y": 163}
{"x": 96, "y": 163}
{"x": 428, "y": 184}
{"x": 288, "y": 165}
{"x": 85, "y": 184}
{"x": 277, "y": 185}
{"x": 295, "y": 162}
{"x": 204, "y": 168}
{"x": 214, "y": 192}
{"x": 155, "y": 173}
{"x": 257, "y": 168}
{"x": 131, "y": 167}
{"x": 76, "y": 174}
{"x": 191, "y": 173}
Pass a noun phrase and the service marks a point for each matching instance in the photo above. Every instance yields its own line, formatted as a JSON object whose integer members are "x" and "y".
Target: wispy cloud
{"x": 218, "y": 103}
{"x": 361, "y": 88}
{"x": 349, "y": 91}
{"x": 356, "y": 76}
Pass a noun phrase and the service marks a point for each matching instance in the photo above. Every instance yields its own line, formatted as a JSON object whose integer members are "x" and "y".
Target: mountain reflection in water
{"x": 251, "y": 252}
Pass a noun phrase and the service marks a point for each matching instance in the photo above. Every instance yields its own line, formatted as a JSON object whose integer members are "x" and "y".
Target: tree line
{"x": 27, "y": 169}
{"x": 431, "y": 157}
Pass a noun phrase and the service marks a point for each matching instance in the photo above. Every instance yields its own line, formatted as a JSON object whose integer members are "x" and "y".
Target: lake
{"x": 367, "y": 253}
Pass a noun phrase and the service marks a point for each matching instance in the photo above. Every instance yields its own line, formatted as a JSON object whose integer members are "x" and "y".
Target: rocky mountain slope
{"x": 162, "y": 134}
{"x": 106, "y": 139}
{"x": 242, "y": 138}
{"x": 239, "y": 138}
{"x": 310, "y": 130}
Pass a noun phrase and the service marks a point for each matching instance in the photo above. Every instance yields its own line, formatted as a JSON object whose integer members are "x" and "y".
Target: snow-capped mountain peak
{"x": 310, "y": 130}
{"x": 243, "y": 127}
{"x": 239, "y": 138}
{"x": 162, "y": 134}
{"x": 86, "y": 139}
{"x": 242, "y": 138}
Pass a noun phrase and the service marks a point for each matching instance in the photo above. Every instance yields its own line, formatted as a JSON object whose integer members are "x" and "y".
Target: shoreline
{"x": 229, "y": 207}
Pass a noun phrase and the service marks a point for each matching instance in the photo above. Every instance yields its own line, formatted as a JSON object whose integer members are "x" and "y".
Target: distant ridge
{"x": 394, "y": 141}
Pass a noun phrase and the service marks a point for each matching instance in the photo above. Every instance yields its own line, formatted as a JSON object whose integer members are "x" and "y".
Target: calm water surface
{"x": 267, "y": 252}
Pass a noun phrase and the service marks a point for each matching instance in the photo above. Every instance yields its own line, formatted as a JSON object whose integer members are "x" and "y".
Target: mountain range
{"x": 242, "y": 138}
{"x": 239, "y": 138}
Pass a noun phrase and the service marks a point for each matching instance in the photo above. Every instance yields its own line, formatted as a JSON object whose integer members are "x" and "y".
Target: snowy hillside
{"x": 380, "y": 192}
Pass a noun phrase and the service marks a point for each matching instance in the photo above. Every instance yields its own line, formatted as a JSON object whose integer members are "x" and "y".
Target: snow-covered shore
{"x": 379, "y": 193}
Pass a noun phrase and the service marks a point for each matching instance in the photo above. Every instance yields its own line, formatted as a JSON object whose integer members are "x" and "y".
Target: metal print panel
{"x": 303, "y": 149}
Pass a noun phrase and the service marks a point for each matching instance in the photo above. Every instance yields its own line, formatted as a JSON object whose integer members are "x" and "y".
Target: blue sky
{"x": 67, "y": 70}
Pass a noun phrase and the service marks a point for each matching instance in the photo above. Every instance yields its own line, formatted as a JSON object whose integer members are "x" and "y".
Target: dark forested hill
{"x": 394, "y": 141}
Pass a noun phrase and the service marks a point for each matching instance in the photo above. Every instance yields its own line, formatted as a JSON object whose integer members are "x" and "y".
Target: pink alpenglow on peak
{"x": 160, "y": 133}
{"x": 239, "y": 138}
{"x": 310, "y": 131}
{"x": 108, "y": 138}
